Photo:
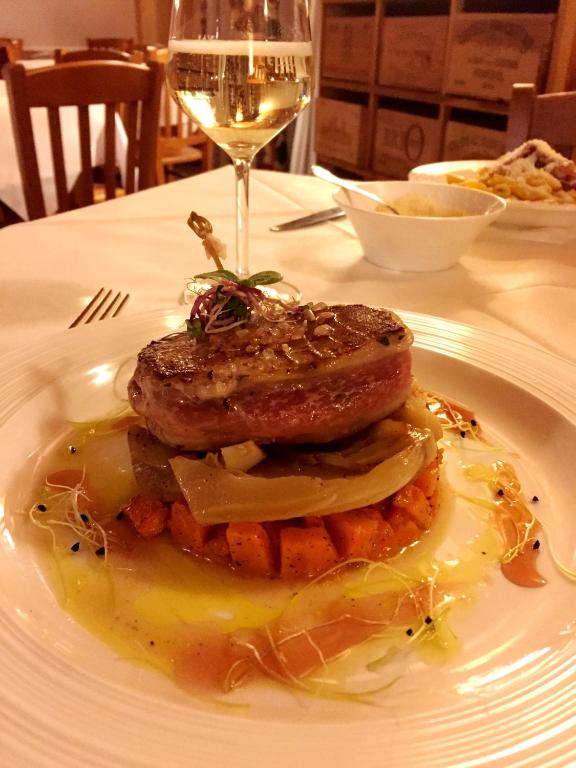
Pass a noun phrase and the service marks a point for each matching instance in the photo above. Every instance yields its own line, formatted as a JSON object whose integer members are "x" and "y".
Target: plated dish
{"x": 538, "y": 183}
{"x": 508, "y": 652}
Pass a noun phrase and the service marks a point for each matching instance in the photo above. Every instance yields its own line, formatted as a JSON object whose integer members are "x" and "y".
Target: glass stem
{"x": 242, "y": 171}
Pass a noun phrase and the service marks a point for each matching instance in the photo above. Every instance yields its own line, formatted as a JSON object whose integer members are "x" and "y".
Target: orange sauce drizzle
{"x": 517, "y": 525}
{"x": 453, "y": 416}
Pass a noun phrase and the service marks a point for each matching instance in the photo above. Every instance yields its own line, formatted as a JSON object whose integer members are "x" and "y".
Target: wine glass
{"x": 242, "y": 70}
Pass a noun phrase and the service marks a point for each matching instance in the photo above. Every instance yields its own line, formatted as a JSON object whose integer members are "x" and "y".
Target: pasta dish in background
{"x": 533, "y": 172}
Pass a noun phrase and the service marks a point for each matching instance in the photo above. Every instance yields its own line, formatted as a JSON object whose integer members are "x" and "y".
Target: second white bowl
{"x": 419, "y": 243}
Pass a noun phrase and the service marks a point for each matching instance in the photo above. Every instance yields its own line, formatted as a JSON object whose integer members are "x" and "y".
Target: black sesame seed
{"x": 42, "y": 507}
{"x": 483, "y": 552}
{"x": 462, "y": 433}
{"x": 72, "y": 449}
{"x": 428, "y": 620}
{"x": 384, "y": 340}
{"x": 473, "y": 423}
{"x": 152, "y": 642}
{"x": 84, "y": 518}
{"x": 120, "y": 515}
{"x": 535, "y": 498}
{"x": 500, "y": 492}
{"x": 75, "y": 547}
{"x": 101, "y": 551}
{"x": 400, "y": 336}
{"x": 536, "y": 544}
{"x": 409, "y": 632}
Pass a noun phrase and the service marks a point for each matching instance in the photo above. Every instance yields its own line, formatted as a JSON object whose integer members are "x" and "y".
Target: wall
{"x": 53, "y": 23}
{"x": 153, "y": 21}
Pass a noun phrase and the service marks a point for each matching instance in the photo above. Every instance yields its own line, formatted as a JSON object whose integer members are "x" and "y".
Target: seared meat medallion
{"x": 312, "y": 376}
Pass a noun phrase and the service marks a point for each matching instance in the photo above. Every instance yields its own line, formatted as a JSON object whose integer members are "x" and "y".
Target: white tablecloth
{"x": 518, "y": 283}
{"x": 10, "y": 184}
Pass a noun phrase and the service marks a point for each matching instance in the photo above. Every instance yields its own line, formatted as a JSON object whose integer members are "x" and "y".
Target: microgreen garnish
{"x": 262, "y": 278}
{"x": 218, "y": 274}
{"x": 194, "y": 328}
{"x": 229, "y": 301}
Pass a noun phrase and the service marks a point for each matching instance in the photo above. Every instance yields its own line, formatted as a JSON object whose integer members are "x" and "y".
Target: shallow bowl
{"x": 518, "y": 213}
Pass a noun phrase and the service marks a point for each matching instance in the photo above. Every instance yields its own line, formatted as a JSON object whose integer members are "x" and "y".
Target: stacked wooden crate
{"x": 407, "y": 82}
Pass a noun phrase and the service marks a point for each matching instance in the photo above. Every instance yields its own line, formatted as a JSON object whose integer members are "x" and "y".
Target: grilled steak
{"x": 311, "y": 377}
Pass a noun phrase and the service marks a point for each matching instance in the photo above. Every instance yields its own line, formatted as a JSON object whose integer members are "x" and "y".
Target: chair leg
{"x": 160, "y": 172}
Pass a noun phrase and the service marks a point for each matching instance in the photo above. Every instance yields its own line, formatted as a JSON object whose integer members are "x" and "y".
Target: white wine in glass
{"x": 242, "y": 70}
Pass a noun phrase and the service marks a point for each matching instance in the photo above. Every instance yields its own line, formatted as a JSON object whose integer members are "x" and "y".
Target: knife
{"x": 308, "y": 221}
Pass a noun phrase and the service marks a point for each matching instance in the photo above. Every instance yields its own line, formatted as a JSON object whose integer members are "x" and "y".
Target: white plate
{"x": 508, "y": 699}
{"x": 518, "y": 212}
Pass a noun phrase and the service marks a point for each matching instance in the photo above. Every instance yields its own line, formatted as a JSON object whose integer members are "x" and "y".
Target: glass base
{"x": 284, "y": 291}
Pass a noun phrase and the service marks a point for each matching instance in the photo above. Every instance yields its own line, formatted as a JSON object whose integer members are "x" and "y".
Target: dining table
{"x": 519, "y": 283}
{"x": 502, "y": 322}
{"x": 11, "y": 192}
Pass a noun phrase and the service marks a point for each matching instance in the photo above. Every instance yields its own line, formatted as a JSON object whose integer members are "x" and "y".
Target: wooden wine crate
{"x": 472, "y": 142}
{"x": 413, "y": 52}
{"x": 404, "y": 140}
{"x": 489, "y": 52}
{"x": 347, "y": 48}
{"x": 341, "y": 130}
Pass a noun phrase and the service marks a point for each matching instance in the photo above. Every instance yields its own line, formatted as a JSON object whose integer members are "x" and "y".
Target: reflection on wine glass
{"x": 242, "y": 70}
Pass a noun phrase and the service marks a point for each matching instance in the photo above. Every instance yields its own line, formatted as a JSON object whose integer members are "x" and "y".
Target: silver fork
{"x": 104, "y": 304}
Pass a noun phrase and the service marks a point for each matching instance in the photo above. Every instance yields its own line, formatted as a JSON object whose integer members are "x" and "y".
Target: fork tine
{"x": 121, "y": 305}
{"x": 101, "y": 306}
{"x": 98, "y": 307}
{"x": 86, "y": 309}
{"x": 110, "y": 306}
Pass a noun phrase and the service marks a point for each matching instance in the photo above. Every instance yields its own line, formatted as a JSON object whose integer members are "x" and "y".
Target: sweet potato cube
{"x": 414, "y": 504}
{"x": 216, "y": 546}
{"x": 185, "y": 530}
{"x": 306, "y": 552}
{"x": 427, "y": 480}
{"x": 313, "y": 522}
{"x": 148, "y": 515}
{"x": 405, "y": 530}
{"x": 355, "y": 533}
{"x": 250, "y": 548}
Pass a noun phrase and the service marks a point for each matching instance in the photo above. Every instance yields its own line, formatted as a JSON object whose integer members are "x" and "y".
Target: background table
{"x": 10, "y": 183}
{"x": 520, "y": 283}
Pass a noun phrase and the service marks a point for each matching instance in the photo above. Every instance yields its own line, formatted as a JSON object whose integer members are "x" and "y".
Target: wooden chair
{"x": 125, "y": 44}
{"x": 81, "y": 84}
{"x": 63, "y": 55}
{"x": 548, "y": 116}
{"x": 4, "y": 58}
{"x": 14, "y": 47}
{"x": 180, "y": 140}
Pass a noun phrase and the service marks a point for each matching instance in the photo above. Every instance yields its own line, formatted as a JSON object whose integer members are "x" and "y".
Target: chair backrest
{"x": 82, "y": 84}
{"x": 548, "y": 116}
{"x": 63, "y": 55}
{"x": 125, "y": 44}
{"x": 14, "y": 47}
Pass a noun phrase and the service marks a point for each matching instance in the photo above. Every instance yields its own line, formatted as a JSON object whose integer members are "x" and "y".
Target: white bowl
{"x": 418, "y": 243}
